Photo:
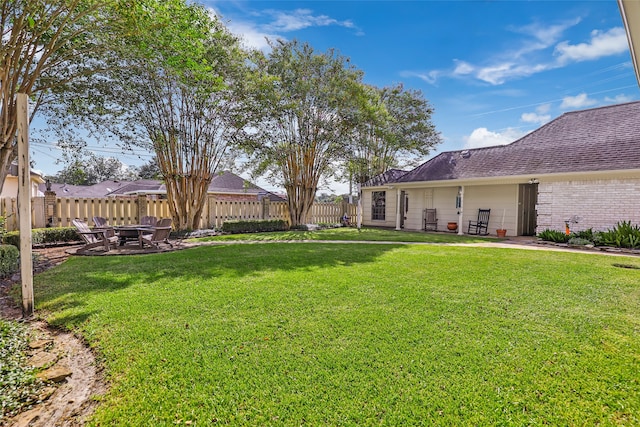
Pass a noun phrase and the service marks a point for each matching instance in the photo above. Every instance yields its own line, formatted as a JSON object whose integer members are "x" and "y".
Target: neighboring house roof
{"x": 222, "y": 183}
{"x": 392, "y": 175}
{"x": 230, "y": 183}
{"x": 598, "y": 139}
{"x": 35, "y": 174}
{"x": 133, "y": 187}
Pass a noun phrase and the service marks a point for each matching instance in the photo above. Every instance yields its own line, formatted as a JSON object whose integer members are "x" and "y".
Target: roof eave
{"x": 519, "y": 179}
{"x": 630, "y": 11}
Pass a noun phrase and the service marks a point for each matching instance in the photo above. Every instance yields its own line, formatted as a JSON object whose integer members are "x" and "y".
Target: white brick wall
{"x": 599, "y": 204}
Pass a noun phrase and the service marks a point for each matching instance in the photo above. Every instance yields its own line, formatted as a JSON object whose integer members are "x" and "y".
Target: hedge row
{"x": 254, "y": 226}
{"x": 44, "y": 236}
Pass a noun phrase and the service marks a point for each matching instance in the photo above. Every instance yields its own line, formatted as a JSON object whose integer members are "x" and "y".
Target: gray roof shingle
{"x": 598, "y": 139}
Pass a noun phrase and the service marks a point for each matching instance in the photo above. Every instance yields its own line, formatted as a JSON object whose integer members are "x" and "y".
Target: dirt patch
{"x": 72, "y": 399}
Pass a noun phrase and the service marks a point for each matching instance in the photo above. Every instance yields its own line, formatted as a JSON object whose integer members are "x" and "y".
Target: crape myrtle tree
{"x": 392, "y": 128}
{"x": 46, "y": 44}
{"x": 299, "y": 133}
{"x": 176, "y": 91}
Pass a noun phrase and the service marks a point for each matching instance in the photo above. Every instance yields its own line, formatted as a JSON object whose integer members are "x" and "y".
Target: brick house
{"x": 582, "y": 167}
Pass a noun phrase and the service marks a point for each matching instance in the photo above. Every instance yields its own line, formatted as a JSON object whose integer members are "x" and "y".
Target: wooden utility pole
{"x": 24, "y": 205}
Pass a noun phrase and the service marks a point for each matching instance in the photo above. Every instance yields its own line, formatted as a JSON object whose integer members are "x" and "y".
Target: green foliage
{"x": 579, "y": 241}
{"x": 92, "y": 169}
{"x": 254, "y": 226}
{"x": 553, "y": 236}
{"x": 300, "y": 119}
{"x": 587, "y": 234}
{"x": 622, "y": 235}
{"x": 390, "y": 126}
{"x": 44, "y": 236}
{"x": 9, "y": 260}
{"x": 18, "y": 383}
{"x": 2, "y": 229}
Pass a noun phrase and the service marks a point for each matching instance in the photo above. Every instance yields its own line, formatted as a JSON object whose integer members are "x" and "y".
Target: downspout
{"x": 460, "y": 209}
{"x": 398, "y": 210}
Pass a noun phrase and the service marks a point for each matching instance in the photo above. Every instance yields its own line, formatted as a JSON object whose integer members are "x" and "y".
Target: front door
{"x": 527, "y": 199}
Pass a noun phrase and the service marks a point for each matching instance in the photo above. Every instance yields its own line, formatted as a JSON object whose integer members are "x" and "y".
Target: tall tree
{"x": 92, "y": 169}
{"x": 392, "y": 128}
{"x": 150, "y": 170}
{"x": 299, "y": 134}
{"x": 175, "y": 92}
{"x": 46, "y": 44}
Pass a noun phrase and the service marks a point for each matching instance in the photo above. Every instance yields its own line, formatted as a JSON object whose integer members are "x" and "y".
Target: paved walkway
{"x": 520, "y": 242}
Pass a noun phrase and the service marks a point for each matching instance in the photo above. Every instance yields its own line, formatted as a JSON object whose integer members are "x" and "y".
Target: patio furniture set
{"x": 151, "y": 232}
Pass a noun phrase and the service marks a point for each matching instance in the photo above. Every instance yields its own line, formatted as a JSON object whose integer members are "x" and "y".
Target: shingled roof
{"x": 222, "y": 183}
{"x": 392, "y": 175}
{"x": 598, "y": 139}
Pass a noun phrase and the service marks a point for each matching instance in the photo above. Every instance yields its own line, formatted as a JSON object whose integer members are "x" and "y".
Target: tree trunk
{"x": 187, "y": 196}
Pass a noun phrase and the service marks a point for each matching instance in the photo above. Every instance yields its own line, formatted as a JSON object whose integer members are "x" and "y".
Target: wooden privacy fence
{"x": 53, "y": 211}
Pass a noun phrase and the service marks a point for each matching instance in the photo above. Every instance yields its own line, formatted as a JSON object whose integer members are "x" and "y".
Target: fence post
{"x": 265, "y": 207}
{"x": 50, "y": 207}
{"x": 142, "y": 206}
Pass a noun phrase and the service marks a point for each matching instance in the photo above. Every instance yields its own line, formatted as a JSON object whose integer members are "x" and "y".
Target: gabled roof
{"x": 598, "y": 139}
{"x": 392, "y": 175}
{"x": 222, "y": 183}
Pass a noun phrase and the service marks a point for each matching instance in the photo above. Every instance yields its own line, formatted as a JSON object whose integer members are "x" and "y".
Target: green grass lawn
{"x": 353, "y": 234}
{"x": 343, "y": 334}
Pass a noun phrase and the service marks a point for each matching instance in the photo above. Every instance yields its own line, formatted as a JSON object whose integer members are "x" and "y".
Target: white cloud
{"x": 302, "y": 18}
{"x": 251, "y": 36}
{"x": 547, "y": 35}
{"x": 535, "y": 118}
{"x": 538, "y": 117}
{"x": 483, "y": 137}
{"x": 606, "y": 43}
{"x": 539, "y": 52}
{"x": 578, "y": 101}
{"x": 463, "y": 68}
{"x": 500, "y": 73}
{"x": 255, "y": 35}
{"x": 618, "y": 99}
{"x": 430, "y": 77}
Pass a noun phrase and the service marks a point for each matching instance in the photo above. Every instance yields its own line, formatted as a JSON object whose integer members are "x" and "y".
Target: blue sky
{"x": 492, "y": 70}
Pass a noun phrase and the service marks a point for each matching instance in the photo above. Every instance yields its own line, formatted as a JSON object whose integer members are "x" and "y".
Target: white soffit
{"x": 630, "y": 11}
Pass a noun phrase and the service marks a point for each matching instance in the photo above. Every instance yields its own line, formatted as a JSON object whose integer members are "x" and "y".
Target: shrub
{"x": 553, "y": 236}
{"x": 254, "y": 226}
{"x": 587, "y": 234}
{"x": 622, "y": 235}
{"x": 44, "y": 236}
{"x": 579, "y": 241}
{"x": 9, "y": 260}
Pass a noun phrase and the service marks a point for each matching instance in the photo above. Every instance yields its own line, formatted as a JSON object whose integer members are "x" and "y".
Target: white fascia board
{"x": 630, "y": 11}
